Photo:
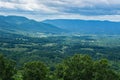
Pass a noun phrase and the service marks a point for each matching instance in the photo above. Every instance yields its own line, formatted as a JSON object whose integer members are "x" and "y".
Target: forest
{"x": 78, "y": 67}
{"x": 59, "y": 39}
{"x": 60, "y": 57}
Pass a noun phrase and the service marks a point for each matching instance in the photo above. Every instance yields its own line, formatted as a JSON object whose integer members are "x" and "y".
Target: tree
{"x": 7, "y": 68}
{"x": 35, "y": 71}
{"x": 102, "y": 71}
{"x": 75, "y": 68}
{"x": 81, "y": 67}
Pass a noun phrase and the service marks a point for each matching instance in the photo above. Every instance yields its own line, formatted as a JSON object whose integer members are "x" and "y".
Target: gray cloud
{"x": 61, "y": 7}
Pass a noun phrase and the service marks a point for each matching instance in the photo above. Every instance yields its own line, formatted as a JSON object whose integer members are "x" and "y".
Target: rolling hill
{"x": 86, "y": 26}
{"x": 22, "y": 24}
{"x": 18, "y": 24}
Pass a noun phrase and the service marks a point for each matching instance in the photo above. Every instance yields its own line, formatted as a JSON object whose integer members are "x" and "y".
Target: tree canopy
{"x": 78, "y": 67}
{"x": 81, "y": 67}
{"x": 35, "y": 70}
{"x": 7, "y": 68}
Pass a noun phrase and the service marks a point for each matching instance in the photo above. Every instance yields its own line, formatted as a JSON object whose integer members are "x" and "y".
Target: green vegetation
{"x": 54, "y": 49}
{"x": 78, "y": 67}
{"x": 44, "y": 53}
{"x": 35, "y": 71}
{"x": 7, "y": 68}
{"x": 81, "y": 67}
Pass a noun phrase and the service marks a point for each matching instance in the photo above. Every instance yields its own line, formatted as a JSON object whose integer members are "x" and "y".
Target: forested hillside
{"x": 54, "y": 49}
{"x": 50, "y": 56}
{"x": 78, "y": 67}
{"x": 87, "y": 26}
{"x": 59, "y": 39}
{"x": 20, "y": 25}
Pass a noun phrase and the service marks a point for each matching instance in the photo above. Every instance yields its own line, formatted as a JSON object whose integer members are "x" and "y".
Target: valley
{"x": 51, "y": 46}
{"x": 52, "y": 49}
{"x": 59, "y": 40}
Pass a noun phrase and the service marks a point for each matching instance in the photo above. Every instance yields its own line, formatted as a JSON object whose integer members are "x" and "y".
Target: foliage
{"x": 102, "y": 71}
{"x": 7, "y": 68}
{"x": 81, "y": 67}
{"x": 52, "y": 50}
{"x": 35, "y": 71}
{"x": 78, "y": 67}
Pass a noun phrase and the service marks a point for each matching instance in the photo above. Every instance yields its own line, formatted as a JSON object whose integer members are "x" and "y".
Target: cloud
{"x": 62, "y": 8}
{"x": 26, "y": 5}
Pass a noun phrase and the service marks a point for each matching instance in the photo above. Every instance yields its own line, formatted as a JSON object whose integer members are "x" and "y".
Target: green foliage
{"x": 81, "y": 67}
{"x": 53, "y": 49}
{"x": 102, "y": 71}
{"x": 7, "y": 68}
{"x": 35, "y": 71}
{"x": 78, "y": 67}
{"x": 18, "y": 75}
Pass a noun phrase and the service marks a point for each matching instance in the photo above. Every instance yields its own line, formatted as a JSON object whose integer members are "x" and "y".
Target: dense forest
{"x": 78, "y": 67}
{"x": 53, "y": 49}
{"x": 68, "y": 57}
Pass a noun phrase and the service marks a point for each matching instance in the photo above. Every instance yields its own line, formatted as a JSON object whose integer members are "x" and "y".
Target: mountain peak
{"x": 20, "y": 23}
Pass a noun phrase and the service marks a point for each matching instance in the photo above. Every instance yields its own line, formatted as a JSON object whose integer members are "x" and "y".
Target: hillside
{"x": 22, "y": 24}
{"x": 86, "y": 26}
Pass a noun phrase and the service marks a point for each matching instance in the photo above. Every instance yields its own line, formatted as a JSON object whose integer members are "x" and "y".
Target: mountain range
{"x": 22, "y": 24}
{"x": 86, "y": 26}
{"x": 15, "y": 24}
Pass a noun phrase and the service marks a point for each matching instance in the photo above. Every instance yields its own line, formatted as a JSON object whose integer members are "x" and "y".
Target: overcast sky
{"x": 65, "y": 9}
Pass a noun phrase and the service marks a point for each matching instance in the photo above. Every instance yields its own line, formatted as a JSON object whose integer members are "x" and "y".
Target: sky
{"x": 62, "y": 9}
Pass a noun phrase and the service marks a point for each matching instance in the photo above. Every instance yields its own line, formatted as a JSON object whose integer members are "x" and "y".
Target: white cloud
{"x": 7, "y": 5}
{"x": 27, "y": 5}
{"x": 78, "y": 9}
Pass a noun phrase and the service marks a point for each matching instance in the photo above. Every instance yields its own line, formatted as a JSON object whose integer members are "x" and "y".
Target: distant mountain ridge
{"x": 86, "y": 26}
{"x": 18, "y": 23}
{"x": 23, "y": 24}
